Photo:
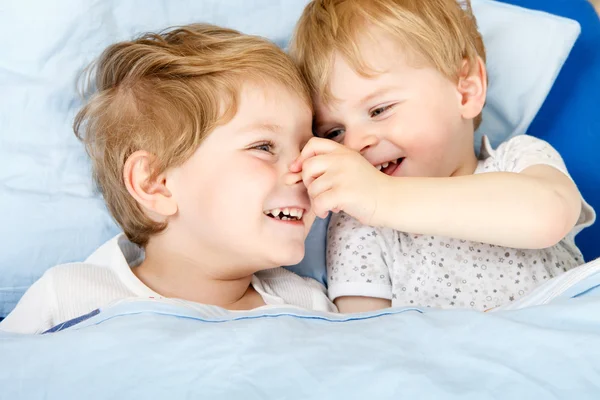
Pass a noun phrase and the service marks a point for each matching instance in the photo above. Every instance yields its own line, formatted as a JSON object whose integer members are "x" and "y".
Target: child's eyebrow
{"x": 377, "y": 93}
{"x": 263, "y": 126}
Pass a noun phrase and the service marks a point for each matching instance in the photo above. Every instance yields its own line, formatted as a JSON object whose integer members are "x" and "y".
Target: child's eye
{"x": 267, "y": 146}
{"x": 380, "y": 110}
{"x": 334, "y": 134}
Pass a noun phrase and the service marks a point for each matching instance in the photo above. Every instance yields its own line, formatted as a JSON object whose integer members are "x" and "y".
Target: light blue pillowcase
{"x": 51, "y": 213}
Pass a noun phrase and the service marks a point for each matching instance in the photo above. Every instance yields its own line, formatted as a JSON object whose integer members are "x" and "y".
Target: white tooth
{"x": 378, "y": 167}
{"x": 394, "y": 161}
{"x": 385, "y": 165}
{"x": 286, "y": 211}
{"x": 275, "y": 211}
{"x": 300, "y": 212}
{"x": 293, "y": 212}
{"x": 285, "y": 219}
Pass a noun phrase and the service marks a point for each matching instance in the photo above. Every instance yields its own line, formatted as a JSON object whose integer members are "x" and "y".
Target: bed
{"x": 544, "y": 67}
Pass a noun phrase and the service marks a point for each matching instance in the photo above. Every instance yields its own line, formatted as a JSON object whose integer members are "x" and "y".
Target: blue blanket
{"x": 165, "y": 350}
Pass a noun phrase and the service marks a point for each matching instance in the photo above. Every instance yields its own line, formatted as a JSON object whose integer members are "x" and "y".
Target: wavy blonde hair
{"x": 443, "y": 32}
{"x": 164, "y": 93}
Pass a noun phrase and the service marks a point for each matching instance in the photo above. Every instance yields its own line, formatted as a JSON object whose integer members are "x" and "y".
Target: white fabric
{"x": 442, "y": 272}
{"x": 71, "y": 290}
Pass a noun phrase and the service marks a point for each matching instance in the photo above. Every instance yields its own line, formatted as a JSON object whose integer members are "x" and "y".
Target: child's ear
{"x": 472, "y": 87}
{"x": 150, "y": 192}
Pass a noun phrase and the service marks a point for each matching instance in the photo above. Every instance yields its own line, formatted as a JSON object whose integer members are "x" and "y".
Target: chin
{"x": 291, "y": 254}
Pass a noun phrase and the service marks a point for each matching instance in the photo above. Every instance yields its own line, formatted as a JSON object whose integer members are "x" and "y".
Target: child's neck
{"x": 468, "y": 167}
{"x": 470, "y": 161}
{"x": 173, "y": 275}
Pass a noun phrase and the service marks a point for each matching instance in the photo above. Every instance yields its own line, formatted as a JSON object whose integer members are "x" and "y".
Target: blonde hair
{"x": 443, "y": 32}
{"x": 164, "y": 93}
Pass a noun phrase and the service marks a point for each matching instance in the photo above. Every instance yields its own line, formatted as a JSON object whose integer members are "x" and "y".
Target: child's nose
{"x": 292, "y": 178}
{"x": 359, "y": 140}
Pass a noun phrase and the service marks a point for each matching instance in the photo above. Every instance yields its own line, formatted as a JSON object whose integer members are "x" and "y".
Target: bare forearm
{"x": 357, "y": 304}
{"x": 506, "y": 209}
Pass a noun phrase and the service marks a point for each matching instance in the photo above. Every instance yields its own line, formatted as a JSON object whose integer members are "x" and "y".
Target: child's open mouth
{"x": 285, "y": 214}
{"x": 390, "y": 167}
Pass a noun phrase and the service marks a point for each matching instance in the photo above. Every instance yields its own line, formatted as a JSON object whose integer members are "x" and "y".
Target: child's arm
{"x": 357, "y": 304}
{"x": 33, "y": 312}
{"x": 535, "y": 208}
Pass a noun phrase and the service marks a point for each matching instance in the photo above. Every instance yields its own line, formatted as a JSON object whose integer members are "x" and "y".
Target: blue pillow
{"x": 313, "y": 264}
{"x": 569, "y": 119}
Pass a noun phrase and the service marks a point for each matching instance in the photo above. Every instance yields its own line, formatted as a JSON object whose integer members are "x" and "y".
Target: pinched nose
{"x": 292, "y": 178}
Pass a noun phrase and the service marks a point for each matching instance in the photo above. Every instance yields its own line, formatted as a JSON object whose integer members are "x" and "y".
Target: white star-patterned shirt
{"x": 433, "y": 271}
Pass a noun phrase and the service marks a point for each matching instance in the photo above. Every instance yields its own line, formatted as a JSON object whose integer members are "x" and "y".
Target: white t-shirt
{"x": 433, "y": 271}
{"x": 71, "y": 290}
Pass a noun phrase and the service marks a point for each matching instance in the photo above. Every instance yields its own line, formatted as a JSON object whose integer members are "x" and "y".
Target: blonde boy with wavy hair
{"x": 398, "y": 87}
{"x": 191, "y": 133}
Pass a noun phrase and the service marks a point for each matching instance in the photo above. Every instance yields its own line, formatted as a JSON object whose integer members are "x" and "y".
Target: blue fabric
{"x": 313, "y": 264}
{"x": 143, "y": 349}
{"x": 570, "y": 117}
{"x": 72, "y": 322}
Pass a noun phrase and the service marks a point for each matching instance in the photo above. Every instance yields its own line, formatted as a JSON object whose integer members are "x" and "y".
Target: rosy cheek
{"x": 258, "y": 173}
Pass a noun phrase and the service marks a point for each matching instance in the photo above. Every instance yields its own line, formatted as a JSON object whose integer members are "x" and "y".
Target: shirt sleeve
{"x": 358, "y": 259}
{"x": 524, "y": 151}
{"x": 33, "y": 314}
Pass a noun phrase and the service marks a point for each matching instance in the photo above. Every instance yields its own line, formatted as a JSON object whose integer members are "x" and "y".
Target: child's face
{"x": 226, "y": 191}
{"x": 407, "y": 117}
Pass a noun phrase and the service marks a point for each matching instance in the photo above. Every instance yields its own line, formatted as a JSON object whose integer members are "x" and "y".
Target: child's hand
{"x": 339, "y": 179}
